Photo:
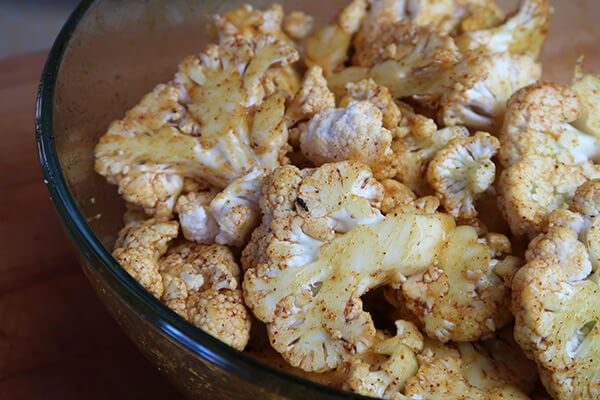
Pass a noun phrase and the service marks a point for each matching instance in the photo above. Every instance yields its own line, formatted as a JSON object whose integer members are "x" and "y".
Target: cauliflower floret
{"x": 354, "y": 132}
{"x": 587, "y": 88}
{"x": 557, "y": 325}
{"x": 478, "y": 87}
{"x": 367, "y": 90}
{"x": 298, "y": 24}
{"x": 227, "y": 217}
{"x": 382, "y": 371}
{"x": 395, "y": 195}
{"x": 312, "y": 97}
{"x": 304, "y": 273}
{"x": 474, "y": 15}
{"x": 199, "y": 125}
{"x": 462, "y": 170}
{"x": 202, "y": 285}
{"x": 328, "y": 47}
{"x": 246, "y": 22}
{"x": 466, "y": 295}
{"x": 413, "y": 152}
{"x": 139, "y": 247}
{"x": 523, "y": 33}
{"x": 534, "y": 187}
{"x": 538, "y": 122}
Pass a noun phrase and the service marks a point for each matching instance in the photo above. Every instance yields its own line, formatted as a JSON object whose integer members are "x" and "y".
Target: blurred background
{"x": 31, "y": 25}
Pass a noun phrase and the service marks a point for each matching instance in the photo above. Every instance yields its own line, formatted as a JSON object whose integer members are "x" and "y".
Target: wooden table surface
{"x": 56, "y": 339}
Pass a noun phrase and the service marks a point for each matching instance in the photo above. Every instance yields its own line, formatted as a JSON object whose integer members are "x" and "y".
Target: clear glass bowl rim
{"x": 101, "y": 260}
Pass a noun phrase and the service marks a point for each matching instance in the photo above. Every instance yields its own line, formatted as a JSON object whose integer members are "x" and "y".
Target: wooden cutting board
{"x": 56, "y": 339}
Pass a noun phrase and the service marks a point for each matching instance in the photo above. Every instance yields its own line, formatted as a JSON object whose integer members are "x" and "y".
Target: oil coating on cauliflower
{"x": 477, "y": 88}
{"x": 444, "y": 375}
{"x": 522, "y": 33}
{"x": 354, "y": 132}
{"x": 227, "y": 217}
{"x": 534, "y": 187}
{"x": 463, "y": 170}
{"x": 138, "y": 248}
{"x": 328, "y": 47}
{"x": 466, "y": 296}
{"x": 321, "y": 246}
{"x": 382, "y": 371}
{"x": 538, "y": 121}
{"x": 199, "y": 126}
{"x": 558, "y": 325}
{"x": 413, "y": 152}
{"x": 202, "y": 285}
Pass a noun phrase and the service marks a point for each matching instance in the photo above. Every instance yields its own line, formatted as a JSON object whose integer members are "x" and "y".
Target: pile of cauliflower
{"x": 408, "y": 150}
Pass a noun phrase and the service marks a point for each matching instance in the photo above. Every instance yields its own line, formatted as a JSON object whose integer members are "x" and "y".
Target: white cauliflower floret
{"x": 379, "y": 96}
{"x": 328, "y": 47}
{"x": 312, "y": 97}
{"x": 298, "y": 24}
{"x": 247, "y": 22}
{"x": 478, "y": 87}
{"x": 538, "y": 122}
{"x": 199, "y": 125}
{"x": 466, "y": 295}
{"x": 557, "y": 325}
{"x": 382, "y": 371}
{"x": 139, "y": 247}
{"x": 413, "y": 153}
{"x": 354, "y": 132}
{"x": 202, "y": 285}
{"x": 534, "y": 187}
{"x": 305, "y": 279}
{"x": 441, "y": 376}
{"x": 522, "y": 33}
{"x": 463, "y": 170}
{"x": 587, "y": 88}
{"x": 227, "y": 217}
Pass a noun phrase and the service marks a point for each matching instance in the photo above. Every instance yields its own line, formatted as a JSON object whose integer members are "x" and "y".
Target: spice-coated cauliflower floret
{"x": 382, "y": 371}
{"x": 367, "y": 90}
{"x": 477, "y": 88}
{"x": 312, "y": 97}
{"x": 474, "y": 15}
{"x": 354, "y": 132}
{"x": 202, "y": 285}
{"x": 139, "y": 247}
{"x": 396, "y": 194}
{"x": 309, "y": 272}
{"x": 247, "y": 22}
{"x": 522, "y": 33}
{"x": 199, "y": 126}
{"x": 328, "y": 47}
{"x": 298, "y": 24}
{"x": 538, "y": 122}
{"x": 587, "y": 88}
{"x": 227, "y": 217}
{"x": 466, "y": 296}
{"x": 558, "y": 325}
{"x": 462, "y": 170}
{"x": 534, "y": 187}
{"x": 413, "y": 152}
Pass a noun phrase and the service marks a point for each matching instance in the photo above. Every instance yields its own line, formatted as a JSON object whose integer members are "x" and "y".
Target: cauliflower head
{"x": 477, "y": 88}
{"x": 382, "y": 371}
{"x": 538, "y": 121}
{"x": 354, "y": 132}
{"x": 198, "y": 125}
{"x": 557, "y": 323}
{"x": 466, "y": 295}
{"x": 138, "y": 248}
{"x": 321, "y": 247}
{"x": 227, "y": 217}
{"x": 462, "y": 171}
{"x": 534, "y": 187}
{"x": 202, "y": 285}
{"x": 523, "y": 33}
{"x": 413, "y": 152}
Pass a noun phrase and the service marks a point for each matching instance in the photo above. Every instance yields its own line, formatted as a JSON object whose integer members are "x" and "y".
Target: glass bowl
{"x": 109, "y": 54}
